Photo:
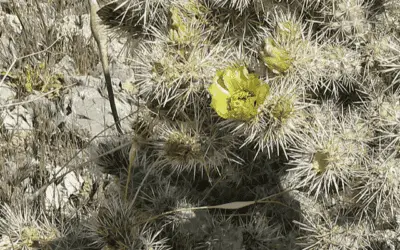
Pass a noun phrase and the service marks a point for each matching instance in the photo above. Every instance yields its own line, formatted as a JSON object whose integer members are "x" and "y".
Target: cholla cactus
{"x": 193, "y": 147}
{"x": 116, "y": 226}
{"x": 24, "y": 227}
{"x": 384, "y": 113}
{"x": 342, "y": 69}
{"x": 134, "y": 17}
{"x": 241, "y": 5}
{"x": 177, "y": 77}
{"x": 276, "y": 58}
{"x": 283, "y": 43}
{"x": 327, "y": 161}
{"x": 326, "y": 233}
{"x": 377, "y": 194}
{"x": 260, "y": 232}
{"x": 344, "y": 20}
{"x": 276, "y": 123}
{"x": 262, "y": 124}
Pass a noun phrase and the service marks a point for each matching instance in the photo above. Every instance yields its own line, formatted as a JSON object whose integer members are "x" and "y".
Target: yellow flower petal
{"x": 220, "y": 98}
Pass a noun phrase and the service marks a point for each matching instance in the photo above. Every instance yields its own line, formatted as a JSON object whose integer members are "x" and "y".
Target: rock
{"x": 122, "y": 79}
{"x": 121, "y": 71}
{"x": 74, "y": 25}
{"x": 6, "y": 94}
{"x": 90, "y": 111}
{"x": 116, "y": 83}
{"x": 46, "y": 115}
{"x": 17, "y": 120}
{"x": 11, "y": 24}
{"x": 9, "y": 52}
{"x": 59, "y": 195}
{"x": 86, "y": 31}
{"x": 118, "y": 70}
{"x": 9, "y": 28}
{"x": 88, "y": 81}
{"x": 65, "y": 66}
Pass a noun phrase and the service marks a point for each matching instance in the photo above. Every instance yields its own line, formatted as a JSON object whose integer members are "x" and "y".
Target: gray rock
{"x": 88, "y": 81}
{"x": 122, "y": 71}
{"x": 90, "y": 111}
{"x": 58, "y": 196}
{"x": 122, "y": 79}
{"x": 11, "y": 24}
{"x": 115, "y": 82}
{"x": 118, "y": 70}
{"x": 69, "y": 26}
{"x": 18, "y": 120}
{"x": 117, "y": 56}
{"x": 8, "y": 51}
{"x": 65, "y": 66}
{"x": 86, "y": 32}
{"x": 9, "y": 28}
{"x": 6, "y": 94}
{"x": 46, "y": 114}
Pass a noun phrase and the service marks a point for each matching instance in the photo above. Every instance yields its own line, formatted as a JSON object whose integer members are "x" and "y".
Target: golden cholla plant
{"x": 255, "y": 124}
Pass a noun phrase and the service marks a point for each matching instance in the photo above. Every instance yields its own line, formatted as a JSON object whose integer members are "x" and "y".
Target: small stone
{"x": 56, "y": 195}
{"x": 18, "y": 120}
{"x": 66, "y": 66}
{"x": 12, "y": 24}
{"x": 6, "y": 94}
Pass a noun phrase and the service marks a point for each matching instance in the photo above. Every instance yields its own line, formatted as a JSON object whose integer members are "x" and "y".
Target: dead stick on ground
{"x": 101, "y": 41}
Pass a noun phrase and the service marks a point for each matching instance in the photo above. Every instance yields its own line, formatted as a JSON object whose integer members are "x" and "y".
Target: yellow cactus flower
{"x": 237, "y": 94}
